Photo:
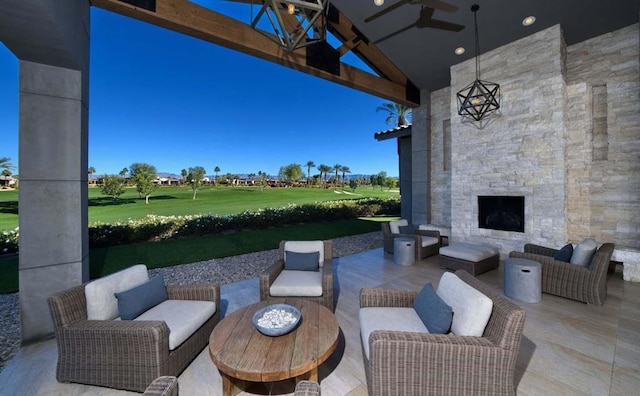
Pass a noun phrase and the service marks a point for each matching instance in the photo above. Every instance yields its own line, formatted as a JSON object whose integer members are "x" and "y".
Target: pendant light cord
{"x": 475, "y": 8}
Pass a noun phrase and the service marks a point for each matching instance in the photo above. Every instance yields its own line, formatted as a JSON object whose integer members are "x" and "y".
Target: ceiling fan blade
{"x": 438, "y": 5}
{"x": 388, "y": 36}
{"x": 386, "y": 10}
{"x": 437, "y": 24}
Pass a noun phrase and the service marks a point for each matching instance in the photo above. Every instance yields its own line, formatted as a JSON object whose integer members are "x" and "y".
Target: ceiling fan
{"x": 425, "y": 20}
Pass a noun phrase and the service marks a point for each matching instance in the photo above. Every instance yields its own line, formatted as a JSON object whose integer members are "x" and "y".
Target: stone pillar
{"x": 54, "y": 249}
{"x": 406, "y": 178}
{"x": 51, "y": 40}
{"x": 421, "y": 160}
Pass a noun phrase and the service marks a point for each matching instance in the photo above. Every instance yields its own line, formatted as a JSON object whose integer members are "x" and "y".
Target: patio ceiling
{"x": 406, "y": 62}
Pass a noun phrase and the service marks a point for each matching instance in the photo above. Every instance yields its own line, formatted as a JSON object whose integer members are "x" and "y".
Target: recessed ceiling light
{"x": 528, "y": 21}
{"x": 459, "y": 51}
{"x": 378, "y": 2}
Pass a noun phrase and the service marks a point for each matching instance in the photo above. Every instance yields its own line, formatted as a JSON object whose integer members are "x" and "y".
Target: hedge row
{"x": 154, "y": 228}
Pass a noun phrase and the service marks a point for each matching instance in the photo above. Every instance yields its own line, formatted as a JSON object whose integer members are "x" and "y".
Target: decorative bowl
{"x": 276, "y": 319}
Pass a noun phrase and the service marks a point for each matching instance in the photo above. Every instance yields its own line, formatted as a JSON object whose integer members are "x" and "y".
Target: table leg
{"x": 231, "y": 386}
{"x": 311, "y": 375}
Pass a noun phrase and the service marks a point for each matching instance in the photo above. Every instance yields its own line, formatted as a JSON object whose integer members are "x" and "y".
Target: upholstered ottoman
{"x": 473, "y": 258}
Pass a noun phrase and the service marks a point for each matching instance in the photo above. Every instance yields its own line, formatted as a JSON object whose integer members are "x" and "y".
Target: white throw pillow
{"x": 583, "y": 253}
{"x": 102, "y": 303}
{"x": 471, "y": 309}
{"x": 306, "y": 247}
{"x": 395, "y": 225}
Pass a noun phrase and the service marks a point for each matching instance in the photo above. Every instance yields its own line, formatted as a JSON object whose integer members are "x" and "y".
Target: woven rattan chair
{"x": 587, "y": 284}
{"x": 123, "y": 354}
{"x": 269, "y": 276}
{"x": 421, "y": 251}
{"x": 307, "y": 388}
{"x": 166, "y": 385}
{"x": 415, "y": 364}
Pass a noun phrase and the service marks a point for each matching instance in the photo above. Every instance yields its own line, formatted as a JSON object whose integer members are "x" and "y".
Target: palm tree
{"x": 337, "y": 168}
{"x": 91, "y": 171}
{"x": 398, "y": 113}
{"x": 324, "y": 169}
{"x": 344, "y": 169}
{"x": 123, "y": 172}
{"x": 6, "y": 165}
{"x": 216, "y": 170}
{"x": 309, "y": 165}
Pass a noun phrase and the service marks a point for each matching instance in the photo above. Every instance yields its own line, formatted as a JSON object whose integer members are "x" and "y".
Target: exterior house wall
{"x": 568, "y": 139}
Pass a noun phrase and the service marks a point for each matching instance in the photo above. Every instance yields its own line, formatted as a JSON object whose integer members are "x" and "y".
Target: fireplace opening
{"x": 504, "y": 213}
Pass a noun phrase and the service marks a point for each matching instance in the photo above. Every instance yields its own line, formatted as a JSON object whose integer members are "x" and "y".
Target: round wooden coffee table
{"x": 242, "y": 353}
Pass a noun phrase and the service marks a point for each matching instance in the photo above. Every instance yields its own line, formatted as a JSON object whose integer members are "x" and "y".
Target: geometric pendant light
{"x": 295, "y": 23}
{"x": 481, "y": 99}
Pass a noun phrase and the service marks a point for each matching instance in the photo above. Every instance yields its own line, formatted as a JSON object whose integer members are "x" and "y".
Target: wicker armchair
{"x": 123, "y": 354}
{"x": 269, "y": 276}
{"x": 307, "y": 388}
{"x": 421, "y": 251}
{"x": 586, "y": 284}
{"x": 415, "y": 364}
{"x": 167, "y": 385}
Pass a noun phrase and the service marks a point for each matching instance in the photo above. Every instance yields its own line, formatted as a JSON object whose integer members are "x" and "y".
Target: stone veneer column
{"x": 51, "y": 40}
{"x": 421, "y": 160}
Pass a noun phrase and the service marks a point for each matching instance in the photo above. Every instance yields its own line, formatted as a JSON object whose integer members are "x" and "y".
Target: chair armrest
{"x": 541, "y": 250}
{"x": 327, "y": 275}
{"x": 268, "y": 276}
{"x": 430, "y": 233}
{"x": 378, "y": 297}
{"x": 550, "y": 263}
{"x": 127, "y": 341}
{"x": 207, "y": 292}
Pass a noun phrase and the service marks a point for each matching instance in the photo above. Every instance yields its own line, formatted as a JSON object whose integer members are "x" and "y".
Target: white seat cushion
{"x": 306, "y": 247}
{"x": 388, "y": 318}
{"x": 471, "y": 309}
{"x": 469, "y": 251}
{"x": 428, "y": 241}
{"x": 297, "y": 283}
{"x": 394, "y": 226}
{"x": 102, "y": 303}
{"x": 183, "y": 317}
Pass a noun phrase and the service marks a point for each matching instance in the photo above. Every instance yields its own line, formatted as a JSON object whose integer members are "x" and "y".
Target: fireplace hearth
{"x": 505, "y": 213}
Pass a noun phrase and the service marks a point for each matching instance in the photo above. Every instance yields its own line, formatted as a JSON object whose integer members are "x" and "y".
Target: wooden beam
{"x": 188, "y": 18}
{"x": 367, "y": 51}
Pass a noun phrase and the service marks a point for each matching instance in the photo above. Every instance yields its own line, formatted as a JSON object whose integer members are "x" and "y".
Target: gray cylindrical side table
{"x": 404, "y": 251}
{"x": 523, "y": 280}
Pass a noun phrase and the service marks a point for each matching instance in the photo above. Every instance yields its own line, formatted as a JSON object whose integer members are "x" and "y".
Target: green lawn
{"x": 177, "y": 201}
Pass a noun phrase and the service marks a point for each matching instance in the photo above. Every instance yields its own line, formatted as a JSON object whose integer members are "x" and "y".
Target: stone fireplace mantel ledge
{"x": 630, "y": 259}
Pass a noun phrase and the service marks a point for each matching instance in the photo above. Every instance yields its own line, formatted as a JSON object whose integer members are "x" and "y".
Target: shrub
{"x": 154, "y": 228}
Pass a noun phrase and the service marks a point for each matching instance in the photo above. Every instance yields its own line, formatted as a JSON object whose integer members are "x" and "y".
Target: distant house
{"x": 7, "y": 181}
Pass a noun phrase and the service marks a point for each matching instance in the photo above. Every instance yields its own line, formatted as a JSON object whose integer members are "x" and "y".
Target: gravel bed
{"x": 223, "y": 271}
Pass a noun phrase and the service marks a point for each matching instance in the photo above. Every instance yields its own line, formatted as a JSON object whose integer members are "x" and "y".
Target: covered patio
{"x": 568, "y": 348}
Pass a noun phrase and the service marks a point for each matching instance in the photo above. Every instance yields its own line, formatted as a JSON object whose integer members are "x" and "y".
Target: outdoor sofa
{"x": 582, "y": 283}
{"x": 130, "y": 354}
{"x": 286, "y": 278}
{"x": 414, "y": 362}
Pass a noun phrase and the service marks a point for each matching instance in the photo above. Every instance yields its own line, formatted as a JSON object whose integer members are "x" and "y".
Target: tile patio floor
{"x": 568, "y": 348}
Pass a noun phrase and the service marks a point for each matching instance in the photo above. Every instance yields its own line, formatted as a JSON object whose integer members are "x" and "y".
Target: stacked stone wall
{"x": 441, "y": 158}
{"x": 520, "y": 153}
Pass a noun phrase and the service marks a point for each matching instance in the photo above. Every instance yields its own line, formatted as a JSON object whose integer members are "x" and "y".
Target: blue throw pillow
{"x": 564, "y": 254}
{"x": 295, "y": 261}
{"x": 408, "y": 229}
{"x": 433, "y": 311}
{"x": 133, "y": 302}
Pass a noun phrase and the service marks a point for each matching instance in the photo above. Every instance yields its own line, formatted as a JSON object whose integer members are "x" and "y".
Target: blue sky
{"x": 174, "y": 101}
